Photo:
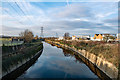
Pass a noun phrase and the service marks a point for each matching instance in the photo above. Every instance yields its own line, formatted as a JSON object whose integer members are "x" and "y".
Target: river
{"x": 58, "y": 63}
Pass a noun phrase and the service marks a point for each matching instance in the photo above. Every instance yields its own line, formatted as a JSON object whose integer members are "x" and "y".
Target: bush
{"x": 99, "y": 48}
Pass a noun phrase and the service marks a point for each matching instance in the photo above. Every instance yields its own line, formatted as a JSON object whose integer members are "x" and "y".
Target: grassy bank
{"x": 102, "y": 49}
{"x": 26, "y": 53}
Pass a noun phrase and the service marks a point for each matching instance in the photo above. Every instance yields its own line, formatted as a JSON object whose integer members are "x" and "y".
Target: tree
{"x": 27, "y": 35}
{"x": 66, "y": 36}
{"x": 106, "y": 37}
{"x": 36, "y": 37}
{"x": 112, "y": 37}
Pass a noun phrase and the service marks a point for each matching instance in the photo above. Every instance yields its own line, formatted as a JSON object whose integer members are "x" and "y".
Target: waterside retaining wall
{"x": 13, "y": 69}
{"x": 106, "y": 67}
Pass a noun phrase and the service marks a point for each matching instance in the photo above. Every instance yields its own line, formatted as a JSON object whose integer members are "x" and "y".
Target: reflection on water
{"x": 68, "y": 53}
{"x": 58, "y": 63}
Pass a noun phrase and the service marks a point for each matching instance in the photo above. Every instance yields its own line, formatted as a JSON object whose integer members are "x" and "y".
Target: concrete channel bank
{"x": 101, "y": 67}
{"x": 16, "y": 71}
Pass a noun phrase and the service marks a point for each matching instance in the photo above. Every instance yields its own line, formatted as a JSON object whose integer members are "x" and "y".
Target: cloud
{"x": 60, "y": 0}
{"x": 105, "y": 15}
{"x": 112, "y": 21}
{"x": 75, "y": 11}
{"x": 11, "y": 30}
{"x": 75, "y": 18}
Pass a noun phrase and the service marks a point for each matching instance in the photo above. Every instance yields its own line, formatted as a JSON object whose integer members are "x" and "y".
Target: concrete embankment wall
{"x": 106, "y": 67}
{"x": 15, "y": 70}
{"x": 10, "y": 49}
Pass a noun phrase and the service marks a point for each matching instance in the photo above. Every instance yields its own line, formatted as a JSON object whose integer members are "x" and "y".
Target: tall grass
{"x": 101, "y": 49}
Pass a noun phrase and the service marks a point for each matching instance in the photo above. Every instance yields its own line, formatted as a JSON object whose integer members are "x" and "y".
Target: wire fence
{"x": 10, "y": 43}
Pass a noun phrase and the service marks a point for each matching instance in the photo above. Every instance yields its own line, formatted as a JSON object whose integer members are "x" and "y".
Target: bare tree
{"x": 27, "y": 35}
{"x": 66, "y": 36}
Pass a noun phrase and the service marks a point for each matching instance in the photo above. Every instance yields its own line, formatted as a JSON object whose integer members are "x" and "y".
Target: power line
{"x": 22, "y": 11}
{"x": 20, "y": 8}
{"x": 17, "y": 10}
{"x": 26, "y": 10}
{"x": 14, "y": 9}
{"x": 13, "y": 16}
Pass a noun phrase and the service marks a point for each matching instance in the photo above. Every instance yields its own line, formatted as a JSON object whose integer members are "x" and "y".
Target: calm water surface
{"x": 58, "y": 63}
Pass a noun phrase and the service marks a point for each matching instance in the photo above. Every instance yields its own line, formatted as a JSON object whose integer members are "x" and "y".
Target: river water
{"x": 58, "y": 63}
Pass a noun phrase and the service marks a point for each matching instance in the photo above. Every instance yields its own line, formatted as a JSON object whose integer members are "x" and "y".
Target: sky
{"x": 76, "y": 18}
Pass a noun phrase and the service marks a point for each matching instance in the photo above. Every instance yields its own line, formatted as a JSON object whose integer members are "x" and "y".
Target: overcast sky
{"x": 77, "y": 18}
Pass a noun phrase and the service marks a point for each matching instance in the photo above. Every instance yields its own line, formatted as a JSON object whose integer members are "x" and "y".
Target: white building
{"x": 73, "y": 37}
{"x": 118, "y": 37}
{"x": 60, "y": 38}
{"x": 80, "y": 37}
{"x": 92, "y": 38}
{"x": 84, "y": 37}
